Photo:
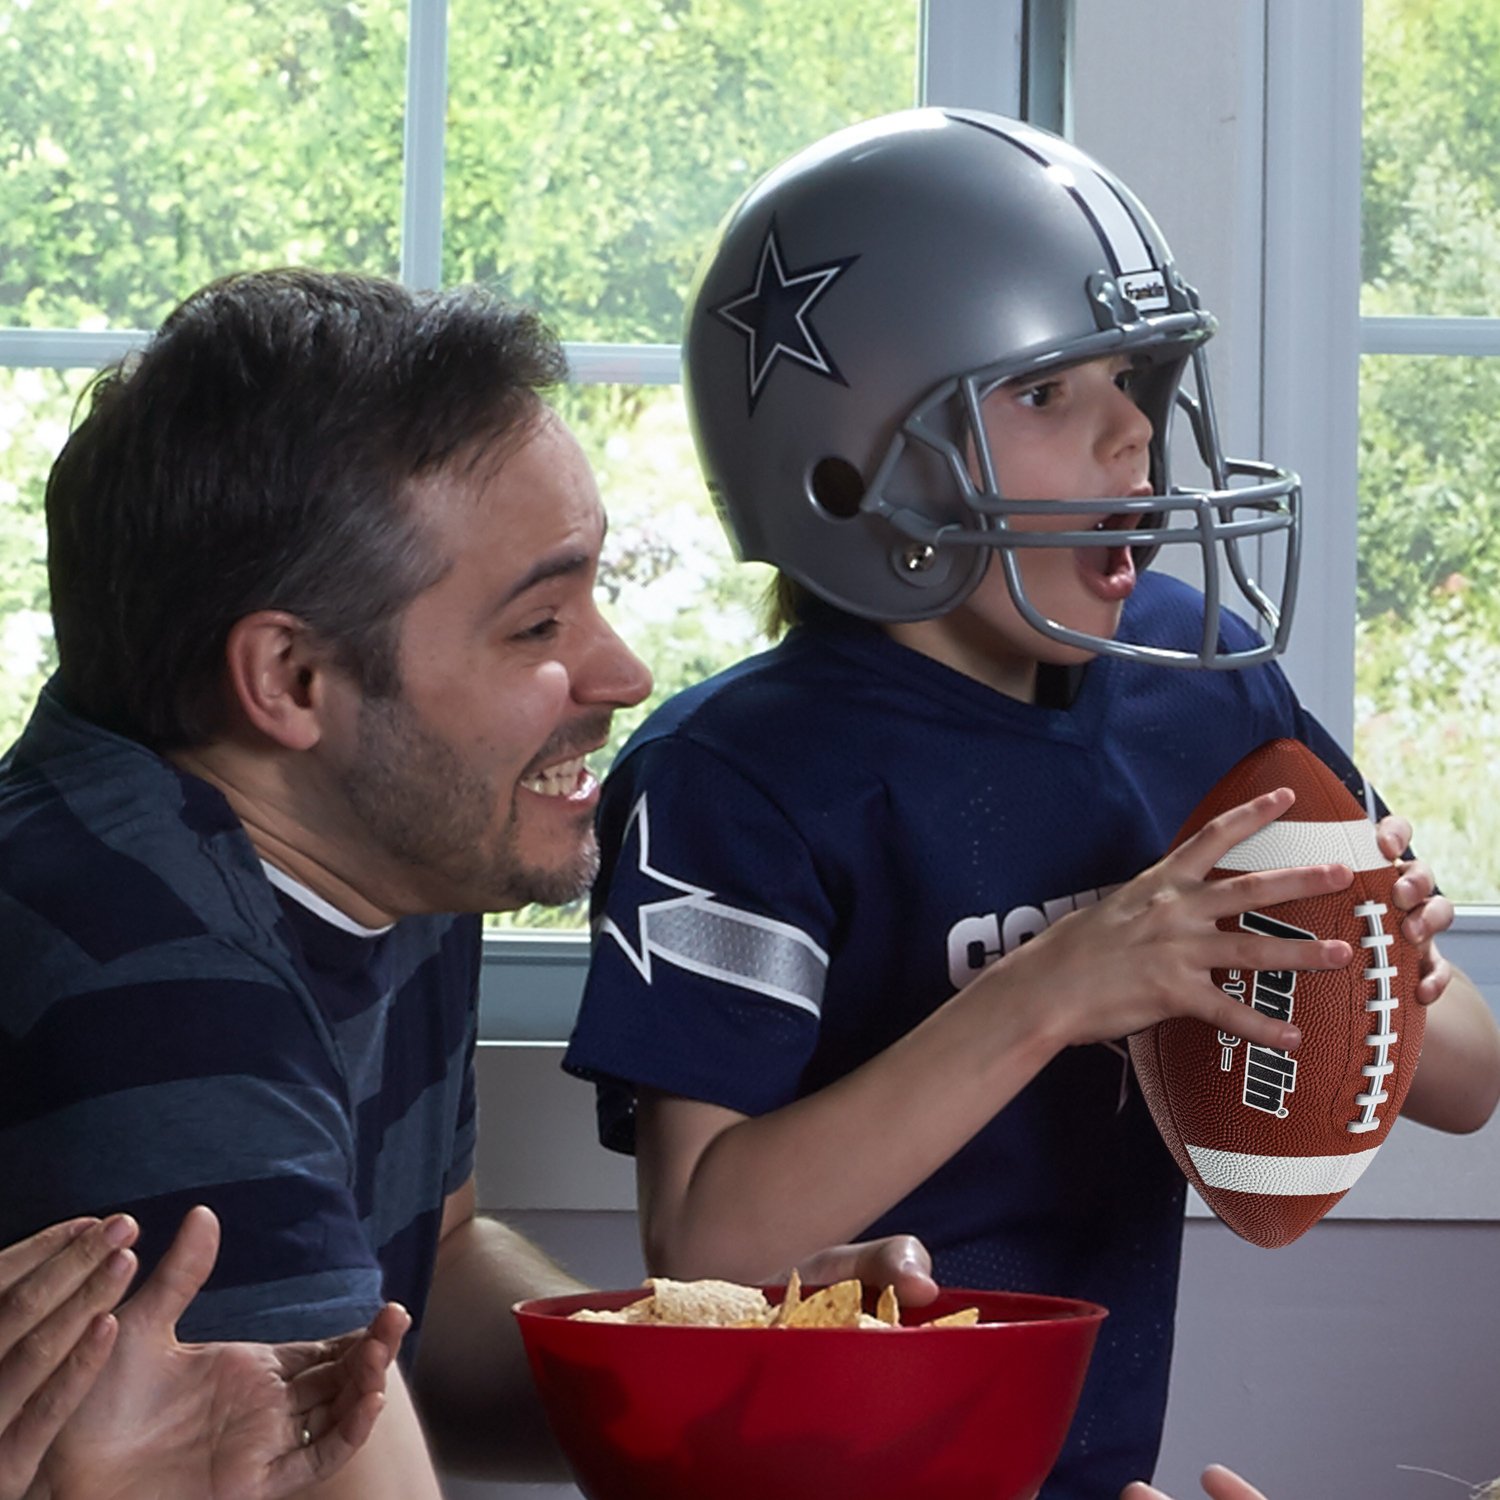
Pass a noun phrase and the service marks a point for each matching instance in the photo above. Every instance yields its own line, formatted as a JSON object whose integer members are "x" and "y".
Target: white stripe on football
{"x": 1278, "y": 1176}
{"x": 1282, "y": 845}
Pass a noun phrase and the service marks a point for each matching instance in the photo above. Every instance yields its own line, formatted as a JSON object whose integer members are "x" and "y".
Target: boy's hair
{"x": 260, "y": 453}
{"x": 784, "y": 606}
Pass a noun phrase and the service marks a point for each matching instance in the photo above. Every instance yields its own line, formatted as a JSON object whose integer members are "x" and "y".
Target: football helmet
{"x": 852, "y": 313}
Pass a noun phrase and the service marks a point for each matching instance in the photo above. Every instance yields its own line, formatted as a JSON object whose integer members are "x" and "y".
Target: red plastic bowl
{"x": 662, "y": 1413}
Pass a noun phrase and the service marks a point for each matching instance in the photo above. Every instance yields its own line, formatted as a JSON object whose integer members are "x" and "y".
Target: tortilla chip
{"x": 790, "y": 1300}
{"x": 726, "y": 1304}
{"x": 706, "y": 1304}
{"x": 836, "y": 1306}
{"x": 965, "y": 1317}
{"x": 642, "y": 1310}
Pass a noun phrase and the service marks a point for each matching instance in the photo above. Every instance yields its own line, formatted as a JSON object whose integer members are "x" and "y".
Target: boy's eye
{"x": 1037, "y": 395}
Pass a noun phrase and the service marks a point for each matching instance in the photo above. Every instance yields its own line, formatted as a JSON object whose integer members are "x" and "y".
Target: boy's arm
{"x": 1457, "y": 1082}
{"x": 724, "y": 1194}
{"x": 471, "y": 1381}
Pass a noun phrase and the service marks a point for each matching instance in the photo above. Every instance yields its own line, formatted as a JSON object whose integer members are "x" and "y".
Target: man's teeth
{"x": 557, "y": 780}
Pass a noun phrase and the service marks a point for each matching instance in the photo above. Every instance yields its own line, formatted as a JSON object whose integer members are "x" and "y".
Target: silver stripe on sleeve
{"x": 693, "y": 930}
{"x": 740, "y": 948}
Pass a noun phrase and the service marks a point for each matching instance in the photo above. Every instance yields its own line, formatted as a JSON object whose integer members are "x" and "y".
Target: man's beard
{"x": 422, "y": 804}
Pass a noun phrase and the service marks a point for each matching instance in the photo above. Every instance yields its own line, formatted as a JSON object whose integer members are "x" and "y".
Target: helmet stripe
{"x": 1120, "y": 235}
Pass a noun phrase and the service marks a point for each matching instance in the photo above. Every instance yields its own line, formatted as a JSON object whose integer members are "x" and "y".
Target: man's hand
{"x": 56, "y": 1291}
{"x": 230, "y": 1421}
{"x": 1219, "y": 1483}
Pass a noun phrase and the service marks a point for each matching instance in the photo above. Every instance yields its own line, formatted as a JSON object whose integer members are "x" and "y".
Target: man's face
{"x": 471, "y": 781}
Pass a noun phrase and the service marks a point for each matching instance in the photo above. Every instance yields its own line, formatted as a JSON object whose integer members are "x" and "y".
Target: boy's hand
{"x": 1427, "y": 913}
{"x": 1145, "y": 952}
{"x": 899, "y": 1260}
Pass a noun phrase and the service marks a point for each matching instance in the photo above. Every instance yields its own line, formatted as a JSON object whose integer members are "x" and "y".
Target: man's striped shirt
{"x": 173, "y": 1030}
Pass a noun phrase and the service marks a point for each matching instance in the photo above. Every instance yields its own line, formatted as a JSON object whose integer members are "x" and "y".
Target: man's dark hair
{"x": 259, "y": 453}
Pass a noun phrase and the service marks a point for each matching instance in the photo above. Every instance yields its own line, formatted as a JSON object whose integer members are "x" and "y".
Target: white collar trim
{"x": 317, "y": 905}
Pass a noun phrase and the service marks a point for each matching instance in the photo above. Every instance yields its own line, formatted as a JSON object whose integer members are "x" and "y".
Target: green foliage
{"x": 1428, "y": 710}
{"x": 147, "y": 146}
{"x": 592, "y": 147}
{"x": 1429, "y": 482}
{"x": 1428, "y": 642}
{"x": 1432, "y": 108}
{"x": 34, "y": 410}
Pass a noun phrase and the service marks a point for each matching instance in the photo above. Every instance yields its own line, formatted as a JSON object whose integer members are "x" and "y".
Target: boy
{"x": 872, "y": 925}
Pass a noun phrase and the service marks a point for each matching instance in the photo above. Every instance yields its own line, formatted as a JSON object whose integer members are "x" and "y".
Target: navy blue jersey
{"x": 807, "y": 855}
{"x": 172, "y": 1032}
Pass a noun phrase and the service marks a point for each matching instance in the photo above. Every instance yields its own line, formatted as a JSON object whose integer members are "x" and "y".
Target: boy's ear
{"x": 276, "y": 677}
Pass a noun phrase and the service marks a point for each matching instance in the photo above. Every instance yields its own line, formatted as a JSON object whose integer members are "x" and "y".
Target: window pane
{"x": 150, "y": 145}
{"x": 1427, "y": 710}
{"x": 667, "y": 579}
{"x": 593, "y": 147}
{"x": 1431, "y": 193}
{"x": 35, "y": 408}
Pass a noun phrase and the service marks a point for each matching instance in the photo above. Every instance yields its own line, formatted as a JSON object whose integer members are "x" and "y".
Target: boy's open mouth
{"x": 1110, "y": 560}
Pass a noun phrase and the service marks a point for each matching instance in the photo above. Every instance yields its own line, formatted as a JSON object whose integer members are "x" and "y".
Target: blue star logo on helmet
{"x": 773, "y": 315}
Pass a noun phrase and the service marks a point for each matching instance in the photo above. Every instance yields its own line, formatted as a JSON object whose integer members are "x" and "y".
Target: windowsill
{"x": 532, "y": 980}
{"x": 539, "y": 1148}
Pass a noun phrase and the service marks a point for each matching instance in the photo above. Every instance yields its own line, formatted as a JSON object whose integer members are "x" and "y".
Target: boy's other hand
{"x": 1427, "y": 913}
{"x": 899, "y": 1260}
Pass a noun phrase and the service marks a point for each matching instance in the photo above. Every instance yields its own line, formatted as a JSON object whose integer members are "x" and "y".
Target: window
{"x": 576, "y": 156}
{"x": 1427, "y": 636}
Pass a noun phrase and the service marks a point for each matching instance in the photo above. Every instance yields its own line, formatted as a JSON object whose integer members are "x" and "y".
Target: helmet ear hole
{"x": 837, "y": 487}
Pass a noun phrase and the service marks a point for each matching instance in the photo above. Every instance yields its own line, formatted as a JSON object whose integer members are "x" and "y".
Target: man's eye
{"x": 1037, "y": 395}
{"x": 543, "y": 630}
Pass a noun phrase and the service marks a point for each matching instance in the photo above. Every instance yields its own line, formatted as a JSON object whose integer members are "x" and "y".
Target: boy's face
{"x": 1072, "y": 434}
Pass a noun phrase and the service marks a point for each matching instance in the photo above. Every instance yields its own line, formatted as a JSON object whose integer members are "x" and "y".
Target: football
{"x": 1273, "y": 1139}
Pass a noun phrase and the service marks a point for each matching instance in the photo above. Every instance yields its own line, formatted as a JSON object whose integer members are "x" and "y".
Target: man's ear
{"x": 277, "y": 677}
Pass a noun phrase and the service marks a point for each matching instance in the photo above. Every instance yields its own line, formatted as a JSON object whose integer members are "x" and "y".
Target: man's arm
{"x": 471, "y": 1381}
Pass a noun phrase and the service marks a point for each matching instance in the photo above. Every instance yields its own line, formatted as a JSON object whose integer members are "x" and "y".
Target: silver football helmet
{"x": 859, "y": 303}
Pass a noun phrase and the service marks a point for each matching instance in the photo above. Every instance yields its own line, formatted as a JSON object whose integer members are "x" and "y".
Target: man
{"x": 322, "y": 565}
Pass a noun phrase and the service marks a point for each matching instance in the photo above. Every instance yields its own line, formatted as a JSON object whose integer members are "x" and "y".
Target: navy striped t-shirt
{"x": 173, "y": 1031}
